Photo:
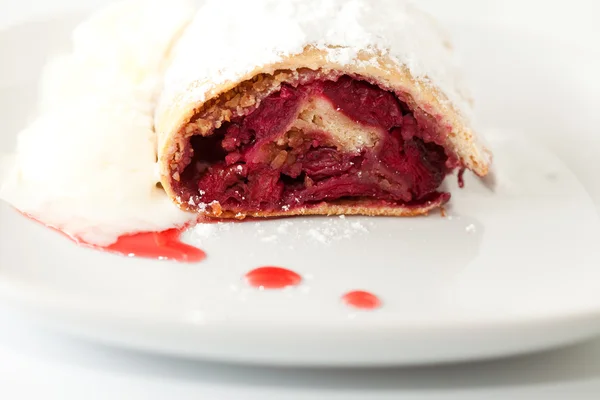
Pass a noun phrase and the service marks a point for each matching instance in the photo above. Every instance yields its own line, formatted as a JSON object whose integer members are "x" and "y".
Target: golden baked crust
{"x": 340, "y": 207}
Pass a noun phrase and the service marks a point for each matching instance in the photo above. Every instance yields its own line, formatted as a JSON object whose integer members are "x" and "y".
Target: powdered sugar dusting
{"x": 229, "y": 39}
{"x": 318, "y": 235}
{"x": 321, "y": 231}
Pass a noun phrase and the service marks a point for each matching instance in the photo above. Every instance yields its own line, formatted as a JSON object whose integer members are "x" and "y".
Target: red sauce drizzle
{"x": 166, "y": 245}
{"x": 272, "y": 278}
{"x": 361, "y": 299}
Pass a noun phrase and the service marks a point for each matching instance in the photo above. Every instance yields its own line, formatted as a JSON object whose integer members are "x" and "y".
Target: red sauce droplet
{"x": 166, "y": 245}
{"x": 272, "y": 278}
{"x": 362, "y": 299}
{"x": 461, "y": 178}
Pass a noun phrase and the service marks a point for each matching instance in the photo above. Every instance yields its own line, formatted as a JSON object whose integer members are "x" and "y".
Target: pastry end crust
{"x": 366, "y": 207}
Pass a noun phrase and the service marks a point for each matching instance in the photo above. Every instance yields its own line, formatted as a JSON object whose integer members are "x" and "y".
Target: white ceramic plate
{"x": 511, "y": 269}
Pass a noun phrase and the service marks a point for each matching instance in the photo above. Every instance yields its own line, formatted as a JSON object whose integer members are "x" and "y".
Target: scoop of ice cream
{"x": 87, "y": 164}
{"x": 118, "y": 49}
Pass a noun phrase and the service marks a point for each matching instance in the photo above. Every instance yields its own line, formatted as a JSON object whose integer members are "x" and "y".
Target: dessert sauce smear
{"x": 361, "y": 299}
{"x": 165, "y": 245}
{"x": 272, "y": 278}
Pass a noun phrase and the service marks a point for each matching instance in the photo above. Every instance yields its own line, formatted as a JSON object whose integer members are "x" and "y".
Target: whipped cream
{"x": 87, "y": 164}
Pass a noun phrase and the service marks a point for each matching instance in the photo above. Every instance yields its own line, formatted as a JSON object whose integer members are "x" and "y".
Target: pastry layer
{"x": 213, "y": 81}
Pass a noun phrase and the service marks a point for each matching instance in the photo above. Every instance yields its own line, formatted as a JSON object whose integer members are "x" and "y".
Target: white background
{"x": 36, "y": 364}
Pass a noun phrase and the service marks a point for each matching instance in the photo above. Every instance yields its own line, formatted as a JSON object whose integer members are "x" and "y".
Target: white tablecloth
{"x": 35, "y": 364}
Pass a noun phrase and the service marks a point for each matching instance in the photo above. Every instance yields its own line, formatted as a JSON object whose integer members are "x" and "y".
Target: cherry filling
{"x": 323, "y": 141}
